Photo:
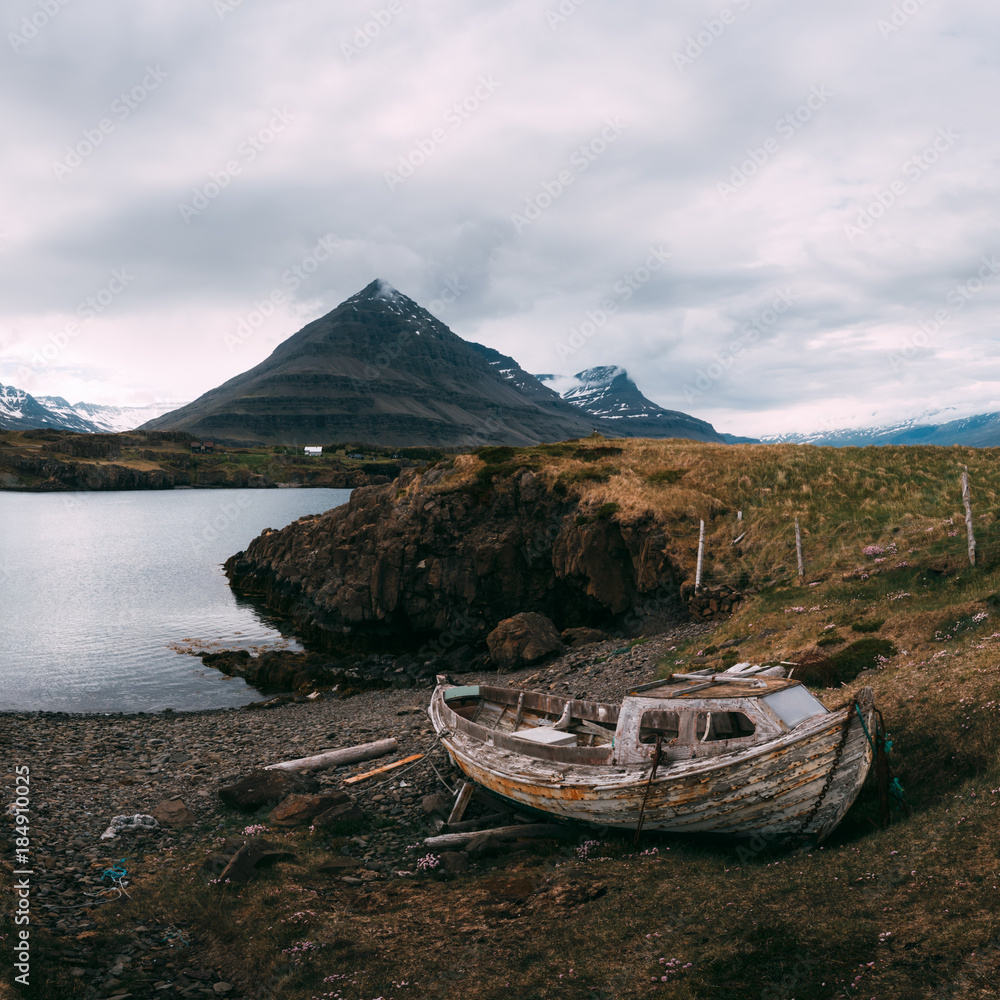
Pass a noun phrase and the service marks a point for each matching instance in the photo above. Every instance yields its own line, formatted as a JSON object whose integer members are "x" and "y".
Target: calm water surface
{"x": 96, "y": 589}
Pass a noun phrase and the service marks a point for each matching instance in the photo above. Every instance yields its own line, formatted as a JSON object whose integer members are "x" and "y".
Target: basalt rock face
{"x": 58, "y": 475}
{"x": 435, "y": 557}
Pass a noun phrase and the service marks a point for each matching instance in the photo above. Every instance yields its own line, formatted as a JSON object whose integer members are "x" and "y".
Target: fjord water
{"x": 96, "y": 589}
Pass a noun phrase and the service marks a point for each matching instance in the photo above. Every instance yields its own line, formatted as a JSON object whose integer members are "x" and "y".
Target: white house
{"x": 310, "y": 450}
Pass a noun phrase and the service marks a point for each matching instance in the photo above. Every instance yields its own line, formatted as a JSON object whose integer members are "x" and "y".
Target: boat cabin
{"x": 687, "y": 715}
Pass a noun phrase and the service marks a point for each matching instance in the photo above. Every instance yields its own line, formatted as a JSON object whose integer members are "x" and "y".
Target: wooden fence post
{"x": 968, "y": 516}
{"x": 798, "y": 549}
{"x": 701, "y": 555}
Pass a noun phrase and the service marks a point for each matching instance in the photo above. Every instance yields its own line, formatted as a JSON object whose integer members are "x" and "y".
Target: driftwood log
{"x": 334, "y": 758}
{"x": 533, "y": 831}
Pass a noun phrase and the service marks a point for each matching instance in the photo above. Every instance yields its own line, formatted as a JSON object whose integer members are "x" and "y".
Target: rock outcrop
{"x": 441, "y": 556}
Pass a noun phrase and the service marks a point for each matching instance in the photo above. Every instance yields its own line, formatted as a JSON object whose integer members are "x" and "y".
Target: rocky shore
{"x": 84, "y": 770}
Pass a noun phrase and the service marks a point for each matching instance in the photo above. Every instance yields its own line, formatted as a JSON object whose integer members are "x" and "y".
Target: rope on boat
{"x": 645, "y": 794}
{"x": 887, "y": 784}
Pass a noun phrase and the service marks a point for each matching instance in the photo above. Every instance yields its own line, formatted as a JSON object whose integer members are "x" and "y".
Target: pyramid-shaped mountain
{"x": 377, "y": 369}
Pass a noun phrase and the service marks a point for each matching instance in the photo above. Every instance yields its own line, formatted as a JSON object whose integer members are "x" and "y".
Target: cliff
{"x": 446, "y": 553}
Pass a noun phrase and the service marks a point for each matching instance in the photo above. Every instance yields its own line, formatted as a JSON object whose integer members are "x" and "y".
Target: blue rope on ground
{"x": 116, "y": 872}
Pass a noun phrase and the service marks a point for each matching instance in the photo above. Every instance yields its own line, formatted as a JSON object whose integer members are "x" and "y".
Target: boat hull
{"x": 796, "y": 787}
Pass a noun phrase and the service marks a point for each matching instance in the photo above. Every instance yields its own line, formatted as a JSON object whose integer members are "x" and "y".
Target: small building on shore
{"x": 313, "y": 450}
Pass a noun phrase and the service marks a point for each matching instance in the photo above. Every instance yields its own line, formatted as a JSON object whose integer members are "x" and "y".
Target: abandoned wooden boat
{"x": 735, "y": 753}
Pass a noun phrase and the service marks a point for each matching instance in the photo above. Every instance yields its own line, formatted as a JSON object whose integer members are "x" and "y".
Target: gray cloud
{"x": 779, "y": 146}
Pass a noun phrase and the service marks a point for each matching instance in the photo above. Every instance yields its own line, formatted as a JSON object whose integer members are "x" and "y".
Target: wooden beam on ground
{"x": 533, "y": 831}
{"x": 334, "y": 758}
{"x": 461, "y": 801}
{"x": 478, "y": 824}
{"x": 383, "y": 768}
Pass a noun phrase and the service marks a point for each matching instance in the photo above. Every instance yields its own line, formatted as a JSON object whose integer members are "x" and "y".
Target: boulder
{"x": 523, "y": 639}
{"x": 263, "y": 787}
{"x": 174, "y": 813}
{"x": 454, "y": 861}
{"x": 582, "y": 636}
{"x": 342, "y": 809}
{"x": 438, "y": 802}
{"x": 295, "y": 809}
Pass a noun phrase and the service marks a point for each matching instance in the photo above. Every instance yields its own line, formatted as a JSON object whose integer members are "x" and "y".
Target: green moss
{"x": 830, "y": 640}
{"x": 868, "y": 625}
{"x": 496, "y": 454}
{"x": 586, "y": 476}
{"x": 664, "y": 477}
{"x": 861, "y": 655}
{"x": 596, "y": 454}
{"x": 952, "y": 628}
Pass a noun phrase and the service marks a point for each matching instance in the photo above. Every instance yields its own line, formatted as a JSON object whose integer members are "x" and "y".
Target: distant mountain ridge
{"x": 19, "y": 410}
{"x": 981, "y": 430}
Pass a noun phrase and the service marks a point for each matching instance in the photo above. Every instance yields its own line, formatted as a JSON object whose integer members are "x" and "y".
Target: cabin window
{"x": 794, "y": 705}
{"x": 659, "y": 723}
{"x": 711, "y": 726}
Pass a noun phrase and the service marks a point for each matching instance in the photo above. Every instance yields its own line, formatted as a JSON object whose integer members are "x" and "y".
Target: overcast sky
{"x": 776, "y": 215}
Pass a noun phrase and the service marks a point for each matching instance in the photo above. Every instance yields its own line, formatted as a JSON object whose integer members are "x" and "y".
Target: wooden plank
{"x": 461, "y": 801}
{"x": 334, "y": 758}
{"x": 532, "y": 831}
{"x": 593, "y": 727}
{"x": 520, "y": 711}
{"x": 384, "y": 768}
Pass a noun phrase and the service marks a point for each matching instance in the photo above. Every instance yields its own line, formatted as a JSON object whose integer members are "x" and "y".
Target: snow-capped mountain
{"x": 608, "y": 394}
{"x": 20, "y": 410}
{"x": 112, "y": 419}
{"x": 981, "y": 430}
